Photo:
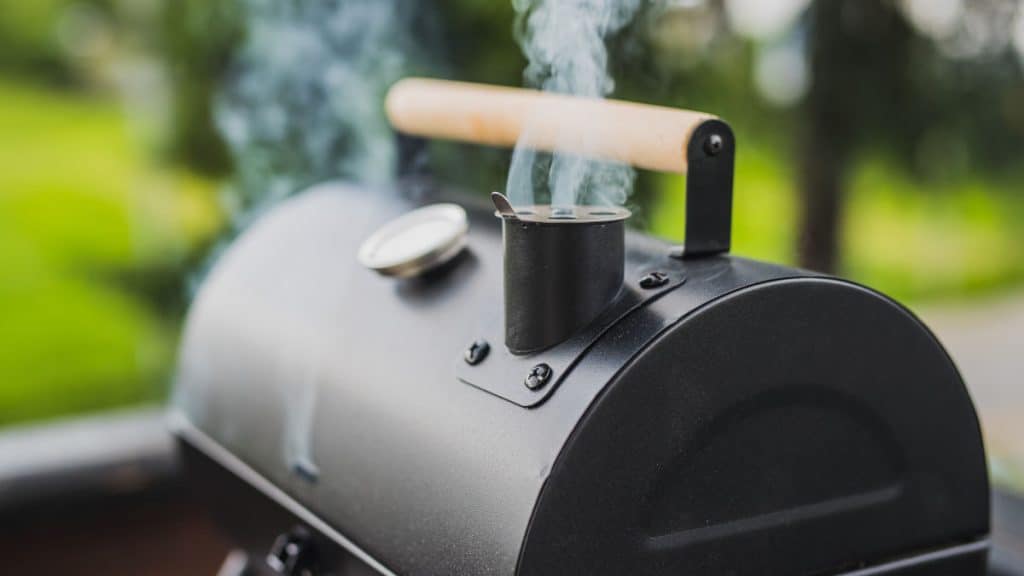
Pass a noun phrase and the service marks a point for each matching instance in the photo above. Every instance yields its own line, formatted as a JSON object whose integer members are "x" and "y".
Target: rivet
{"x": 476, "y": 352}
{"x": 538, "y": 377}
{"x": 653, "y": 280}
{"x": 713, "y": 145}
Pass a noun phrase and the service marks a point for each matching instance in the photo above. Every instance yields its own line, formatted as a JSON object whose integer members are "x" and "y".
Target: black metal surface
{"x": 559, "y": 277}
{"x": 710, "y": 157}
{"x": 768, "y": 438}
{"x": 262, "y": 520}
{"x": 753, "y": 416}
{"x": 503, "y": 372}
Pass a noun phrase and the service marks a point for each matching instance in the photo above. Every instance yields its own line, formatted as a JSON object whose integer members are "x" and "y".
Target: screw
{"x": 713, "y": 145}
{"x": 653, "y": 280}
{"x": 476, "y": 352}
{"x": 538, "y": 377}
{"x": 293, "y": 553}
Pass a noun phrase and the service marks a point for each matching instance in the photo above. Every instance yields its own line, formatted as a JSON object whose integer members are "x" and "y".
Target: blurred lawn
{"x": 83, "y": 215}
{"x": 911, "y": 241}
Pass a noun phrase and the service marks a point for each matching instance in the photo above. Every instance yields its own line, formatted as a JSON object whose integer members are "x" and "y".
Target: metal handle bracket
{"x": 710, "y": 154}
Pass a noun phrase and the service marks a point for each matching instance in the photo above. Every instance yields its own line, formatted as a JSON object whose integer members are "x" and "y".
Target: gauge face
{"x": 417, "y": 241}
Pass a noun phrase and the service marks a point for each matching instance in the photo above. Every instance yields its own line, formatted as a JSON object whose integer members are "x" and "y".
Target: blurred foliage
{"x": 95, "y": 243}
{"x": 478, "y": 42}
{"x": 912, "y": 240}
{"x": 30, "y": 39}
{"x": 198, "y": 39}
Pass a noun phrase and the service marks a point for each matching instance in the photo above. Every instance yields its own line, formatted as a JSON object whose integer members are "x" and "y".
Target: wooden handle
{"x": 645, "y": 136}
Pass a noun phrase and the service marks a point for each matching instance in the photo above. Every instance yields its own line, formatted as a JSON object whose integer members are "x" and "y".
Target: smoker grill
{"x": 558, "y": 395}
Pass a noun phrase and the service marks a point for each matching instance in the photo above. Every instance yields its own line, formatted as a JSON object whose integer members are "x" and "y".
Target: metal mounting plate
{"x": 504, "y": 374}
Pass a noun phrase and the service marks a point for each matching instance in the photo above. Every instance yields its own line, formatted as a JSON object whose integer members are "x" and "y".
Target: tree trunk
{"x": 821, "y": 191}
{"x": 824, "y": 146}
{"x": 860, "y": 70}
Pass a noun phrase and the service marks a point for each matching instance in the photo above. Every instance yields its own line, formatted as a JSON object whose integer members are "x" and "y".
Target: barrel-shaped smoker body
{"x": 745, "y": 418}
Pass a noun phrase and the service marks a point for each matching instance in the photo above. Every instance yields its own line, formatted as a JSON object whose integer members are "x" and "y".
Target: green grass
{"x": 913, "y": 241}
{"x": 928, "y": 242}
{"x": 80, "y": 205}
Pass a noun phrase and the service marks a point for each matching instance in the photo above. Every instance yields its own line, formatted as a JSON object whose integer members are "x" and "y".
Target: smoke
{"x": 564, "y": 42}
{"x": 304, "y": 100}
{"x": 303, "y": 103}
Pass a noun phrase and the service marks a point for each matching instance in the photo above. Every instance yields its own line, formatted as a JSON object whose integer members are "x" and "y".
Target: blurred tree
{"x": 877, "y": 84}
{"x": 199, "y": 39}
{"x": 44, "y": 39}
{"x": 858, "y": 62}
{"x": 478, "y": 42}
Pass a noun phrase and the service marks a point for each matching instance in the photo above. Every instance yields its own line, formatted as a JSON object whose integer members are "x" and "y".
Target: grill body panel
{"x": 314, "y": 393}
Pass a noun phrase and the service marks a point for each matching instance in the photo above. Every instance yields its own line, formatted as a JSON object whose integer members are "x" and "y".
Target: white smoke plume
{"x": 303, "y": 103}
{"x": 565, "y": 44}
